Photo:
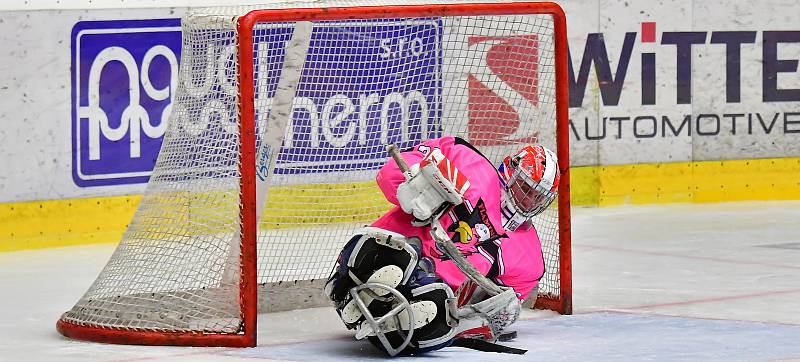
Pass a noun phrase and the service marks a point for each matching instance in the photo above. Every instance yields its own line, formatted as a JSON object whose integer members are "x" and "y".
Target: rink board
{"x": 648, "y": 125}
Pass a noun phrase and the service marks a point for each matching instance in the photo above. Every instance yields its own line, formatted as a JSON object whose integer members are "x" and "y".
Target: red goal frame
{"x": 249, "y": 227}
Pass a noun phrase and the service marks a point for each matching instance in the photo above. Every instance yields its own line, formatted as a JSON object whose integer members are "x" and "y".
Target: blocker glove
{"x": 434, "y": 185}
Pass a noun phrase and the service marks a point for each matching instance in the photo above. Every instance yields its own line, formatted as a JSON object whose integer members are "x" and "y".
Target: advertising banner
{"x": 85, "y": 94}
{"x": 349, "y": 77}
{"x": 82, "y": 97}
{"x": 677, "y": 80}
{"x": 124, "y": 76}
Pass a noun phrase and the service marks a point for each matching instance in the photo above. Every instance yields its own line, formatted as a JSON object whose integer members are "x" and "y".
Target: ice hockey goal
{"x": 276, "y": 133}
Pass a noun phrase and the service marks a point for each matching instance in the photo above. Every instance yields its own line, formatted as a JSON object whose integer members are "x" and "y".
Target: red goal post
{"x": 88, "y": 320}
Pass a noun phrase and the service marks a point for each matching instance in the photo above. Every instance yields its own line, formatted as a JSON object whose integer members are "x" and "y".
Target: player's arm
{"x": 519, "y": 262}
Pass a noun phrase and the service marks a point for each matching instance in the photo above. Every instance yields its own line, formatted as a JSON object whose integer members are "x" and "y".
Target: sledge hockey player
{"x": 396, "y": 283}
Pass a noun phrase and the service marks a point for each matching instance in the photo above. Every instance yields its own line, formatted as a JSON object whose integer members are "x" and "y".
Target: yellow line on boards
{"x": 706, "y": 181}
{"x": 55, "y": 223}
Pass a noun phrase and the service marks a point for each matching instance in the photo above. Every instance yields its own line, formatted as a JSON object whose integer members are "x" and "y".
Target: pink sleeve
{"x": 453, "y": 276}
{"x": 521, "y": 262}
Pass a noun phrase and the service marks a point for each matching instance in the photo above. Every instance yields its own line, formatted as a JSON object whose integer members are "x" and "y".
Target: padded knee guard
{"x": 379, "y": 288}
{"x": 372, "y": 250}
{"x": 434, "y": 326}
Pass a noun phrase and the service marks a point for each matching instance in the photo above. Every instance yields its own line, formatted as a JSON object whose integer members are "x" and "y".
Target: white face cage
{"x": 530, "y": 197}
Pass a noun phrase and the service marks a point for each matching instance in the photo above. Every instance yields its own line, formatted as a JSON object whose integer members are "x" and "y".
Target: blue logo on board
{"x": 356, "y": 94}
{"x": 124, "y": 77}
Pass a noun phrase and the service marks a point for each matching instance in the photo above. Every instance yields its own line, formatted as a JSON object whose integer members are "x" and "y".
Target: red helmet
{"x": 531, "y": 178}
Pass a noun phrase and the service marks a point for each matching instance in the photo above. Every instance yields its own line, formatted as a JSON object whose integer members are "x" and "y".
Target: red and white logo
{"x": 503, "y": 89}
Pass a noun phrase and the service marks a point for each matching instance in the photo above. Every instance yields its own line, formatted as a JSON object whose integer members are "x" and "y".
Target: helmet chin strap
{"x": 512, "y": 219}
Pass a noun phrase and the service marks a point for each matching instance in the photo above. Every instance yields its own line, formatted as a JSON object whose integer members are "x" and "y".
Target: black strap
{"x": 485, "y": 346}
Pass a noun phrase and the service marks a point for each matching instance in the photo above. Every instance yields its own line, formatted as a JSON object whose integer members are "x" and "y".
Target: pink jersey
{"x": 513, "y": 258}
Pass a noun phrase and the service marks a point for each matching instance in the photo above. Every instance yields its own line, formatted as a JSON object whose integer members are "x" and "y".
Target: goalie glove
{"x": 488, "y": 318}
{"x": 435, "y": 183}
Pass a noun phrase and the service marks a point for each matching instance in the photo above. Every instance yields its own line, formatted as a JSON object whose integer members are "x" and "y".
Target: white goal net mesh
{"x": 365, "y": 83}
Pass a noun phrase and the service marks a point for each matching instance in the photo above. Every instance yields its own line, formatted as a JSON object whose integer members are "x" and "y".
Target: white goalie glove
{"x": 435, "y": 183}
{"x": 487, "y": 317}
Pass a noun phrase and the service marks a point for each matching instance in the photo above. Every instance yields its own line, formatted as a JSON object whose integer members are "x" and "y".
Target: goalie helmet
{"x": 530, "y": 179}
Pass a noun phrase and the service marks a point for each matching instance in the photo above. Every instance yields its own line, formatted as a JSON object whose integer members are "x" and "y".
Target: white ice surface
{"x": 709, "y": 282}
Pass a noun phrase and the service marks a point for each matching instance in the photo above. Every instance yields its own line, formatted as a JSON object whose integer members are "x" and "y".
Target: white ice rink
{"x": 707, "y": 282}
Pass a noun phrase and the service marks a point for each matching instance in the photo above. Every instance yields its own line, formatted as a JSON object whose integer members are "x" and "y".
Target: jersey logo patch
{"x": 468, "y": 222}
